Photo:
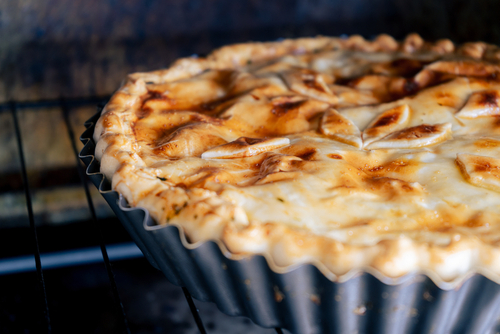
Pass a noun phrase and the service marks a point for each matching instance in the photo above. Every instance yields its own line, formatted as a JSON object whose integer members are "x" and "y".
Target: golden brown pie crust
{"x": 345, "y": 153}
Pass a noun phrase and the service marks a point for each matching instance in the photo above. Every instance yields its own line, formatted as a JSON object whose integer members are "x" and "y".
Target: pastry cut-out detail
{"x": 340, "y": 128}
{"x": 414, "y": 137}
{"x": 481, "y": 104}
{"x": 245, "y": 147}
{"x": 389, "y": 121}
{"x": 310, "y": 83}
{"x": 480, "y": 170}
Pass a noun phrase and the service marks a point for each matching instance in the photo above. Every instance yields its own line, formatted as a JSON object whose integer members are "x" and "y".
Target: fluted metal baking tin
{"x": 302, "y": 299}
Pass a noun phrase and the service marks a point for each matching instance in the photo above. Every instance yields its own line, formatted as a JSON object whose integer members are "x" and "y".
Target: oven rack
{"x": 74, "y": 257}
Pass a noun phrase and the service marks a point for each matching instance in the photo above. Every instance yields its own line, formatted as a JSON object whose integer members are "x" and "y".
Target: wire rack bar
{"x": 29, "y": 205}
{"x": 73, "y": 102}
{"x": 119, "y": 306}
{"x": 194, "y": 311}
{"x": 74, "y": 257}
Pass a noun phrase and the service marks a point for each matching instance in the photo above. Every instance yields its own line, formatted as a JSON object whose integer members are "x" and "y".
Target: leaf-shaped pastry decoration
{"x": 340, "y": 128}
{"x": 465, "y": 67}
{"x": 190, "y": 140}
{"x": 481, "y": 104}
{"x": 245, "y": 147}
{"x": 310, "y": 83}
{"x": 480, "y": 170}
{"x": 387, "y": 122}
{"x": 417, "y": 136}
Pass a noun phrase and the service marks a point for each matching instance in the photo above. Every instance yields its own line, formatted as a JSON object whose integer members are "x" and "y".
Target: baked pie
{"x": 341, "y": 152}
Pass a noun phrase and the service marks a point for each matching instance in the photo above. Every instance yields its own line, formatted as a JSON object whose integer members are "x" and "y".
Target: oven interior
{"x": 66, "y": 263}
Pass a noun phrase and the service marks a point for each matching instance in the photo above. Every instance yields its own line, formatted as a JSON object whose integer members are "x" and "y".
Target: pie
{"x": 341, "y": 152}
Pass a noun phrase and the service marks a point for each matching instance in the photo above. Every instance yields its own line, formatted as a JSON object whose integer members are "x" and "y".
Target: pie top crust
{"x": 341, "y": 152}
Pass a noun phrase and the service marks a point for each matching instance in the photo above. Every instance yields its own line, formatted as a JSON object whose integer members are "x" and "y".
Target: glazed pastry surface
{"x": 346, "y": 153}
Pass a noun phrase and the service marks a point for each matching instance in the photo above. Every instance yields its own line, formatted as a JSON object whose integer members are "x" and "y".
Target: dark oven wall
{"x": 82, "y": 48}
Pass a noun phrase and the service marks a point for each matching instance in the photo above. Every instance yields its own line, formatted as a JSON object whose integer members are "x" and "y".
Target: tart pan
{"x": 301, "y": 298}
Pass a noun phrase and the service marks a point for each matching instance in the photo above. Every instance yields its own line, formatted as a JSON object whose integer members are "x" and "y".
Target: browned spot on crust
{"x": 484, "y": 166}
{"x": 281, "y": 108}
{"x": 155, "y": 98}
{"x": 307, "y": 154}
{"x": 487, "y": 143}
{"x": 417, "y": 131}
{"x": 349, "y": 82}
{"x": 474, "y": 223}
{"x": 476, "y": 220}
{"x": 358, "y": 223}
{"x": 390, "y": 187}
{"x": 334, "y": 156}
{"x": 400, "y": 87}
{"x": 406, "y": 66}
{"x": 213, "y": 106}
{"x": 311, "y": 83}
{"x": 399, "y": 67}
{"x": 410, "y": 87}
{"x": 247, "y": 141}
{"x": 156, "y": 95}
{"x": 405, "y": 168}
{"x": 225, "y": 78}
{"x": 182, "y": 185}
{"x": 387, "y": 119}
{"x": 406, "y": 187}
{"x": 442, "y": 95}
{"x": 142, "y": 113}
{"x": 489, "y": 98}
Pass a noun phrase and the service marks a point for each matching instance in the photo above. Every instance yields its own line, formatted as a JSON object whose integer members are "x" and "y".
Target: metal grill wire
{"x": 41, "y": 282}
{"x": 65, "y": 107}
{"x": 118, "y": 304}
